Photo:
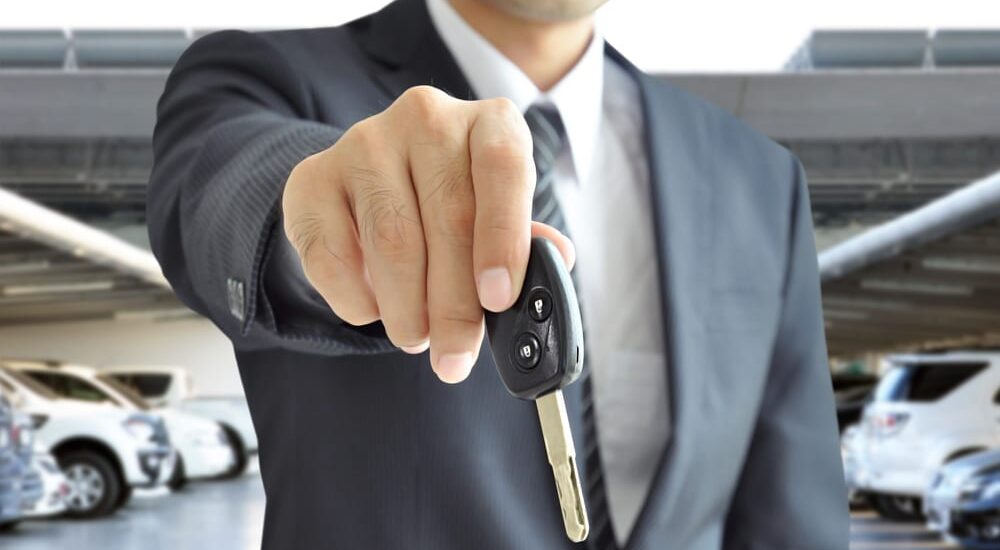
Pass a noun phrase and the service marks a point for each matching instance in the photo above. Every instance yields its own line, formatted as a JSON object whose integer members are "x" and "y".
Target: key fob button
{"x": 539, "y": 304}
{"x": 527, "y": 350}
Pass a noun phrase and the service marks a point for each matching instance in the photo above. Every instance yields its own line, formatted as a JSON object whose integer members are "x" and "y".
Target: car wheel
{"x": 9, "y": 526}
{"x": 897, "y": 508}
{"x": 239, "y": 453}
{"x": 94, "y": 486}
{"x": 178, "y": 479}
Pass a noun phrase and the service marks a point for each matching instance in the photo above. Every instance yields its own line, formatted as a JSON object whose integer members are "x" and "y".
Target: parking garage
{"x": 905, "y": 200}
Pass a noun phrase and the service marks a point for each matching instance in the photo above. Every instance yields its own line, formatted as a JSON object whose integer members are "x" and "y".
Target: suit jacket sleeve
{"x": 791, "y": 493}
{"x": 233, "y": 120}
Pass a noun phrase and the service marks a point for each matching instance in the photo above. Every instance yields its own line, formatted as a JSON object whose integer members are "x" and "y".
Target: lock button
{"x": 527, "y": 350}
{"x": 539, "y": 304}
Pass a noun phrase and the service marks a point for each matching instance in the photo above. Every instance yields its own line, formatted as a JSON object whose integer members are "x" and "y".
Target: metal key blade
{"x": 562, "y": 456}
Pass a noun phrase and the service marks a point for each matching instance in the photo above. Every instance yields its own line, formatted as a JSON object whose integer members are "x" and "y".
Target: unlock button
{"x": 527, "y": 350}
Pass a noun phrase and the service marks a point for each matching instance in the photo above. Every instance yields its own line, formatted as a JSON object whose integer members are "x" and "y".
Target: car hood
{"x": 183, "y": 422}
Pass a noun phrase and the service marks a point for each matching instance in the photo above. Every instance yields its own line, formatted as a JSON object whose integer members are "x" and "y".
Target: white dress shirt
{"x": 602, "y": 184}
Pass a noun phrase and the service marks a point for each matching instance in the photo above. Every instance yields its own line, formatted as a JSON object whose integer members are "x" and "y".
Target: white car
{"x": 104, "y": 451}
{"x": 928, "y": 410}
{"x": 202, "y": 448}
{"x": 165, "y": 386}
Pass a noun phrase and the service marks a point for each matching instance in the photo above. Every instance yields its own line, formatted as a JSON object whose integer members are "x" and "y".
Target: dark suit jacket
{"x": 362, "y": 447}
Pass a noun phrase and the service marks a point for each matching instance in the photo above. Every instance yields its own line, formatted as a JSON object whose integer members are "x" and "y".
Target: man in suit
{"x": 344, "y": 202}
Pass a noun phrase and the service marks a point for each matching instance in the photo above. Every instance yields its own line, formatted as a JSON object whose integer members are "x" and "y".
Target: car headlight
{"x": 140, "y": 428}
{"x": 38, "y": 420}
{"x": 980, "y": 487}
{"x": 991, "y": 489}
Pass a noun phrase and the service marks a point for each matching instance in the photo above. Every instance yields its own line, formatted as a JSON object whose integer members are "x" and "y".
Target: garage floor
{"x": 227, "y": 516}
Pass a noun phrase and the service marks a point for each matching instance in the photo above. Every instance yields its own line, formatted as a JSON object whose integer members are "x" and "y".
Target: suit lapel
{"x": 402, "y": 37}
{"x": 681, "y": 203}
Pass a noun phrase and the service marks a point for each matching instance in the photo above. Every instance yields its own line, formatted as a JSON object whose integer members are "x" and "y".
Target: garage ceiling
{"x": 929, "y": 279}
{"x": 54, "y": 268}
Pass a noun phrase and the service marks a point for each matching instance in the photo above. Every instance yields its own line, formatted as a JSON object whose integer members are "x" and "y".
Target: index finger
{"x": 503, "y": 179}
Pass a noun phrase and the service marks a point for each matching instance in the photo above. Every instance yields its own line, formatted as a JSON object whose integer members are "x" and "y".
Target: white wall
{"x": 191, "y": 342}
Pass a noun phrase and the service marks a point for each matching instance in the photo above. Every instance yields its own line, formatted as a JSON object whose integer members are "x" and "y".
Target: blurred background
{"x": 122, "y": 421}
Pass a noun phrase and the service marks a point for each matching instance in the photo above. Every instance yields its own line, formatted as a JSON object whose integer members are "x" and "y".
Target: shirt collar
{"x": 577, "y": 96}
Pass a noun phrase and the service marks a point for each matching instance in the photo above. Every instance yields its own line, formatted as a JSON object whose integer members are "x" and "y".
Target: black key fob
{"x": 537, "y": 344}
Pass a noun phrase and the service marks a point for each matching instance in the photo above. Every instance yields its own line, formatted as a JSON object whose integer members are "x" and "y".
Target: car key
{"x": 537, "y": 345}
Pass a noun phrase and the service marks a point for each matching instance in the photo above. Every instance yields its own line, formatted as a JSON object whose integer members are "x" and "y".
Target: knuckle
{"x": 363, "y": 135}
{"x": 304, "y": 172}
{"x": 424, "y": 100}
{"x": 504, "y": 108}
{"x": 427, "y": 114}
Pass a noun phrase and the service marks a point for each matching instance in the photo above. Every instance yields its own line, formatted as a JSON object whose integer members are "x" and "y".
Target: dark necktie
{"x": 549, "y": 136}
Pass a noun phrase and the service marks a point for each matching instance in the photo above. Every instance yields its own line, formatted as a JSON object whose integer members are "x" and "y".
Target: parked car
{"x": 103, "y": 450}
{"x": 164, "y": 386}
{"x": 963, "y": 501}
{"x": 11, "y": 470}
{"x": 202, "y": 447}
{"x": 928, "y": 410}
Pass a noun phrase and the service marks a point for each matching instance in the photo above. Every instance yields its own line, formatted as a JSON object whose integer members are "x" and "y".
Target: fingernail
{"x": 419, "y": 348}
{"x": 454, "y": 367}
{"x": 495, "y": 288}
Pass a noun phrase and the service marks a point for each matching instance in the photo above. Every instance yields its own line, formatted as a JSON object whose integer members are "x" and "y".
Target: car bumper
{"x": 32, "y": 490}
{"x": 53, "y": 501}
{"x": 975, "y": 529}
{"x": 910, "y": 483}
{"x": 152, "y": 467}
{"x": 207, "y": 460}
{"x": 937, "y": 508}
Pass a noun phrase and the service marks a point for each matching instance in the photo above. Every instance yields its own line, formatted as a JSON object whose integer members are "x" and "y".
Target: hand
{"x": 421, "y": 216}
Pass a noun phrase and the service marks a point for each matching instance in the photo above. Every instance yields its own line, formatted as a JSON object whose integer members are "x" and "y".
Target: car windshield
{"x": 30, "y": 383}
{"x": 126, "y": 392}
{"x": 924, "y": 382}
{"x": 146, "y": 385}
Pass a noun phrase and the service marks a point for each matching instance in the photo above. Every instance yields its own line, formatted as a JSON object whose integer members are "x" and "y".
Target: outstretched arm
{"x": 232, "y": 122}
